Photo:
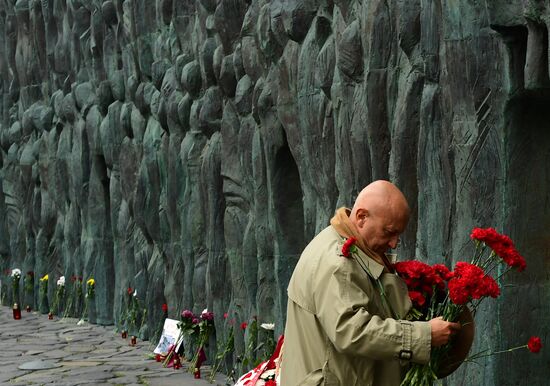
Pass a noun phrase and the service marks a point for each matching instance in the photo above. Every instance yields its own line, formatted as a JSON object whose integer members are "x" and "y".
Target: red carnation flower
{"x": 471, "y": 282}
{"x": 534, "y": 345}
{"x": 417, "y": 298}
{"x": 348, "y": 245}
{"x": 186, "y": 314}
{"x": 130, "y": 291}
{"x": 225, "y": 315}
{"x": 244, "y": 325}
{"x": 443, "y": 271}
{"x": 502, "y": 245}
{"x": 207, "y": 315}
{"x": 164, "y": 307}
{"x": 422, "y": 279}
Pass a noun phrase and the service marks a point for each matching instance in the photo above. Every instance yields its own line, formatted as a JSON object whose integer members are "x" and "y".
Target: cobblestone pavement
{"x": 82, "y": 355}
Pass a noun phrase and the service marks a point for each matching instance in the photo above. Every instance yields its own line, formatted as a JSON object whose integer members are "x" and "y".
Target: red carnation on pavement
{"x": 130, "y": 291}
{"x": 348, "y": 245}
{"x": 534, "y": 345}
{"x": 244, "y": 325}
{"x": 164, "y": 307}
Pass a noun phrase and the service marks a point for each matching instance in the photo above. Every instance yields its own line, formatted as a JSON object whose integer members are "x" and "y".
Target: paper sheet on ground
{"x": 170, "y": 333}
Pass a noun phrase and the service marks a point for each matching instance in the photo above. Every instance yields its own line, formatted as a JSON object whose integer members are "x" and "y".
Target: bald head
{"x": 382, "y": 195}
{"x": 380, "y": 213}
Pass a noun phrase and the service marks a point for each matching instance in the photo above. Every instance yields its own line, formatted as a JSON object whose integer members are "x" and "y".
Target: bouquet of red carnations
{"x": 456, "y": 295}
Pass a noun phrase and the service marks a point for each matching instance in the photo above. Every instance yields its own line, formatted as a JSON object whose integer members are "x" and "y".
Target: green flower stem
{"x": 228, "y": 348}
{"x": 488, "y": 352}
{"x": 170, "y": 354}
{"x": 380, "y": 286}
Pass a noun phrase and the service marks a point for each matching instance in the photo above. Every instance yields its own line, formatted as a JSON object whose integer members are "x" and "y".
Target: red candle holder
{"x": 16, "y": 311}
{"x": 197, "y": 374}
{"x": 133, "y": 340}
{"x": 50, "y": 315}
{"x": 28, "y": 308}
{"x": 124, "y": 334}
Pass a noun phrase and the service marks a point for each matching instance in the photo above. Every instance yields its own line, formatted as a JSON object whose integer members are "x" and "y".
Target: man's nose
{"x": 394, "y": 242}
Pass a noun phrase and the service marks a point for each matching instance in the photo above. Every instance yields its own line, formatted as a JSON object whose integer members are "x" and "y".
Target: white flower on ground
{"x": 135, "y": 293}
{"x": 16, "y": 272}
{"x": 61, "y": 281}
{"x": 268, "y": 326}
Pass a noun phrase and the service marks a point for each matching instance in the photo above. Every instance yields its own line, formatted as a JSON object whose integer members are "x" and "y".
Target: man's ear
{"x": 361, "y": 215}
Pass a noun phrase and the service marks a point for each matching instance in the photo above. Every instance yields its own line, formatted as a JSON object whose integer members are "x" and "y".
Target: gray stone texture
{"x": 190, "y": 149}
{"x": 37, "y": 351}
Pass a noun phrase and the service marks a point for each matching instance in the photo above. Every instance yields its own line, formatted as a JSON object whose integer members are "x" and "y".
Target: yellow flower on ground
{"x": 44, "y": 278}
{"x": 91, "y": 281}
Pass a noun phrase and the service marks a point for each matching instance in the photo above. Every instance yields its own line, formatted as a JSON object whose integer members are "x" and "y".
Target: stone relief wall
{"x": 190, "y": 149}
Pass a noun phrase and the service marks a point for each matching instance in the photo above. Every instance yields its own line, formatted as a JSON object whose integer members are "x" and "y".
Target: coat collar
{"x": 374, "y": 269}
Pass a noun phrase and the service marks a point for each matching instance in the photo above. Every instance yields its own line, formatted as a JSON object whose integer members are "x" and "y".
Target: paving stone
{"x": 38, "y": 365}
{"x": 86, "y": 355}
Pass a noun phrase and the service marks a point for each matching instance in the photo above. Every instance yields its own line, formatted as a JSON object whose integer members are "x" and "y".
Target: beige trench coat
{"x": 338, "y": 330}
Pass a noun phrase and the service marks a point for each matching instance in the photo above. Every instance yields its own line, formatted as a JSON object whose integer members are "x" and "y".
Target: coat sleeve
{"x": 343, "y": 300}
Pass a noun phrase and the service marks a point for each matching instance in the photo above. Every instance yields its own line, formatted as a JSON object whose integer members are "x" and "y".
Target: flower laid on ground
{"x": 249, "y": 358}
{"x": 164, "y": 307}
{"x": 267, "y": 372}
{"x": 90, "y": 295}
{"x": 267, "y": 344}
{"x": 188, "y": 327}
{"x": 43, "y": 292}
{"x": 224, "y": 348}
{"x": 28, "y": 283}
{"x": 268, "y": 326}
{"x": 436, "y": 291}
{"x": 135, "y": 314}
{"x": 133, "y": 311}
{"x": 15, "y": 277}
{"x": 74, "y": 297}
{"x": 90, "y": 288}
{"x": 206, "y": 327}
{"x": 59, "y": 294}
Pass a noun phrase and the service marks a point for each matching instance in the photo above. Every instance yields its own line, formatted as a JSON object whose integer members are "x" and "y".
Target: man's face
{"x": 381, "y": 231}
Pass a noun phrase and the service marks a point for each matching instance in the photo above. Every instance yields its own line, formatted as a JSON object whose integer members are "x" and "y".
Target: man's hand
{"x": 442, "y": 331}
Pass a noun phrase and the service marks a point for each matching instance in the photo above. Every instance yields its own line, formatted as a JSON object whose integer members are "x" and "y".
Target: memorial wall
{"x": 189, "y": 150}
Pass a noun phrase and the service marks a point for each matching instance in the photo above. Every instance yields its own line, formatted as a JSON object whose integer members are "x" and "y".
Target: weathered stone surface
{"x": 190, "y": 149}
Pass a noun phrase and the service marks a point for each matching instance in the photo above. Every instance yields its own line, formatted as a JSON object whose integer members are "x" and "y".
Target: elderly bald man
{"x": 340, "y": 330}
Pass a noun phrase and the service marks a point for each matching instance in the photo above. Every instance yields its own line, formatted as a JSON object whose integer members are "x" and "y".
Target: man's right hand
{"x": 442, "y": 331}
